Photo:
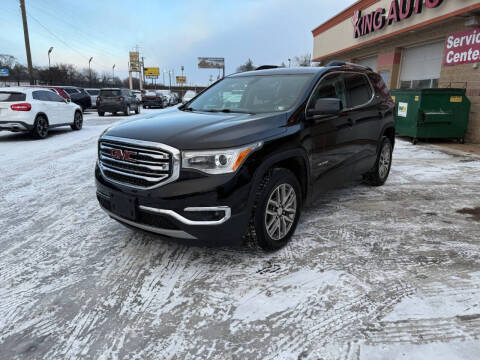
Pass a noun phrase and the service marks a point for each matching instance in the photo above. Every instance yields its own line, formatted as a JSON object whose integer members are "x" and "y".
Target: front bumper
{"x": 15, "y": 126}
{"x": 187, "y": 209}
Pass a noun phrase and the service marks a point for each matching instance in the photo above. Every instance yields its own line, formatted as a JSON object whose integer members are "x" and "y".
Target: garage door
{"x": 371, "y": 62}
{"x": 421, "y": 66}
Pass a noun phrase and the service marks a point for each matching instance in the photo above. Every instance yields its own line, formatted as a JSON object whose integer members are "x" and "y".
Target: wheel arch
{"x": 41, "y": 113}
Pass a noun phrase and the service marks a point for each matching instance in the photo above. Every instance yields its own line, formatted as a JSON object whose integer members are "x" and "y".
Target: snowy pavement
{"x": 371, "y": 273}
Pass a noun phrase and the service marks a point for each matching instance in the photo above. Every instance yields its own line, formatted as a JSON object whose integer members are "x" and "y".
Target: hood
{"x": 186, "y": 130}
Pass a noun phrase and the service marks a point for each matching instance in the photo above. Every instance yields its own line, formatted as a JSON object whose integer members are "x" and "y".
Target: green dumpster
{"x": 431, "y": 113}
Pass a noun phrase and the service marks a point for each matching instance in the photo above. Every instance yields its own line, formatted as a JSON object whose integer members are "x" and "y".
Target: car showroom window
{"x": 358, "y": 89}
{"x": 331, "y": 86}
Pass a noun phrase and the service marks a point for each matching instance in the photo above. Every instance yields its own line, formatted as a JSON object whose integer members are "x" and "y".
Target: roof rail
{"x": 348, "y": 64}
{"x": 265, "y": 67}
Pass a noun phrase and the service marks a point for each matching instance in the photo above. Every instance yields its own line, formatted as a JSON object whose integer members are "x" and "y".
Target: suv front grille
{"x": 138, "y": 164}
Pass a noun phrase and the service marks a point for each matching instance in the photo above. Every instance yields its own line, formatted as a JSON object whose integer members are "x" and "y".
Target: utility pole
{"x": 49, "y": 71}
{"x": 90, "y": 71}
{"x": 27, "y": 41}
{"x": 141, "y": 74}
{"x": 113, "y": 75}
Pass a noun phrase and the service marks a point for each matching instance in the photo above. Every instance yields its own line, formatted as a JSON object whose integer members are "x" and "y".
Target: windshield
{"x": 252, "y": 94}
{"x": 93, "y": 92}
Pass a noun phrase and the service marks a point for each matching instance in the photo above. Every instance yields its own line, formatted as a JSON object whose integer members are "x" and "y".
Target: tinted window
{"x": 12, "y": 96}
{"x": 110, "y": 93}
{"x": 54, "y": 97}
{"x": 93, "y": 92}
{"x": 358, "y": 89}
{"x": 71, "y": 91}
{"x": 41, "y": 95}
{"x": 331, "y": 86}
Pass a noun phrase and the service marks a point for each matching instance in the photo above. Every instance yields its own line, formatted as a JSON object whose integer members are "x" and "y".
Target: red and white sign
{"x": 462, "y": 48}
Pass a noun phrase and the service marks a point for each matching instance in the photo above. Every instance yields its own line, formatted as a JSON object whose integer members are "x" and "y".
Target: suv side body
{"x": 115, "y": 100}
{"x": 320, "y": 152}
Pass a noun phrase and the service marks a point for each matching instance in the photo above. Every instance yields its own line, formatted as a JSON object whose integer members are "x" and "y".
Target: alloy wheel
{"x": 385, "y": 160}
{"x": 78, "y": 120}
{"x": 42, "y": 127}
{"x": 280, "y": 211}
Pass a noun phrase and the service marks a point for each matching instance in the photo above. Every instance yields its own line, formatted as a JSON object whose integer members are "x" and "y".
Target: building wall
{"x": 390, "y": 51}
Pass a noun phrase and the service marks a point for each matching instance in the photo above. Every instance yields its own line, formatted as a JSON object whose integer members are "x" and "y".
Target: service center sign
{"x": 462, "y": 48}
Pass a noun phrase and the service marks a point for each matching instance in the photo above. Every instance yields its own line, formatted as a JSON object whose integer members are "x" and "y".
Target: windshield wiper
{"x": 229, "y": 111}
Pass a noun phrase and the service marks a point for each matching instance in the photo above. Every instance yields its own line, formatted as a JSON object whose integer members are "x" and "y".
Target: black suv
{"x": 115, "y": 100}
{"x": 242, "y": 157}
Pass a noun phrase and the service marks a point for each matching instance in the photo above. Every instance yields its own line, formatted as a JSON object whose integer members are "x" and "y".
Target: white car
{"x": 93, "y": 95}
{"x": 189, "y": 95}
{"x": 36, "y": 110}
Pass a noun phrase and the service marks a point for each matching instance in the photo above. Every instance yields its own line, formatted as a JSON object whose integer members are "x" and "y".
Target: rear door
{"x": 47, "y": 106}
{"x": 365, "y": 116}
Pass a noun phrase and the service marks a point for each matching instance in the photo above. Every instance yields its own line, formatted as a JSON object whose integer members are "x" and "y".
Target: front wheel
{"x": 276, "y": 211}
{"x": 77, "y": 121}
{"x": 127, "y": 111}
{"x": 379, "y": 174}
{"x": 137, "y": 110}
{"x": 101, "y": 113}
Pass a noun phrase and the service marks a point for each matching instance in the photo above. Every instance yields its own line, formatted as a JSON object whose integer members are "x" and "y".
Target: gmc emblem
{"x": 124, "y": 155}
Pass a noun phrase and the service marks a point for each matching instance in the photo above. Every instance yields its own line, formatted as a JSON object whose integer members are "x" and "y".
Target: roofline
{"x": 345, "y": 14}
{"x": 401, "y": 31}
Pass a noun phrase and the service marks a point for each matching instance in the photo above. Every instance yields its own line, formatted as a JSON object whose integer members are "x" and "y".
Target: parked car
{"x": 93, "y": 96}
{"x": 115, "y": 100}
{"x": 36, "y": 110}
{"x": 168, "y": 95}
{"x": 223, "y": 167}
{"x": 175, "y": 98}
{"x": 56, "y": 89}
{"x": 154, "y": 98}
{"x": 189, "y": 95}
{"x": 78, "y": 95}
{"x": 138, "y": 95}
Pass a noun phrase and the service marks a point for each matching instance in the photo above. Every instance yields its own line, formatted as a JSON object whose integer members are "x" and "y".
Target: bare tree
{"x": 248, "y": 66}
{"x": 303, "y": 60}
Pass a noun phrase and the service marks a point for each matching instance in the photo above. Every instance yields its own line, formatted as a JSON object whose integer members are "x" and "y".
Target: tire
{"x": 379, "y": 174}
{"x": 414, "y": 141}
{"x": 77, "y": 121}
{"x": 273, "y": 229}
{"x": 101, "y": 113}
{"x": 137, "y": 110}
{"x": 127, "y": 111}
{"x": 40, "y": 128}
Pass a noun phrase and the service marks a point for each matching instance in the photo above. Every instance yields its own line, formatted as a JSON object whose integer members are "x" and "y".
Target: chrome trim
{"x": 341, "y": 72}
{"x": 162, "y": 167}
{"x": 175, "y": 159}
{"x": 226, "y": 210}
{"x": 153, "y": 156}
{"x": 146, "y": 178}
{"x": 180, "y": 234}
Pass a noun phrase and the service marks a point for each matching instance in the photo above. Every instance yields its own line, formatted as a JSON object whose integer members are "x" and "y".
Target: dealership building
{"x": 411, "y": 43}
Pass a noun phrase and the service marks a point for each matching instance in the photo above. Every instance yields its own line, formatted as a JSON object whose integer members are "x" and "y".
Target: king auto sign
{"x": 462, "y": 48}
{"x": 399, "y": 10}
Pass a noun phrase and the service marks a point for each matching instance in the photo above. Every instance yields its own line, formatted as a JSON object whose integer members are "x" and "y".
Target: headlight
{"x": 218, "y": 161}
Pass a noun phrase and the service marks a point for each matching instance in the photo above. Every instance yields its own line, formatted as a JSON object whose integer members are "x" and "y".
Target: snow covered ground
{"x": 372, "y": 273}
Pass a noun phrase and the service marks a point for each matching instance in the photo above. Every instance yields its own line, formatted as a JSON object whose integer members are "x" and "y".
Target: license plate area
{"x": 124, "y": 206}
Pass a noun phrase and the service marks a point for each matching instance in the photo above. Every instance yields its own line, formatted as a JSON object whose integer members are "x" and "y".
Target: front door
{"x": 331, "y": 136}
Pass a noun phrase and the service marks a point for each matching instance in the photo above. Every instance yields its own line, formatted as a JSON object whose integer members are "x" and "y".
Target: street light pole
{"x": 289, "y": 61}
{"x": 113, "y": 75}
{"x": 90, "y": 71}
{"x": 49, "y": 71}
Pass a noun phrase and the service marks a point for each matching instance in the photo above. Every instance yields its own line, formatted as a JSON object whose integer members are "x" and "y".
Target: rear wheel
{"x": 101, "y": 113}
{"x": 77, "y": 121}
{"x": 276, "y": 211}
{"x": 40, "y": 128}
{"x": 379, "y": 174}
{"x": 127, "y": 111}
{"x": 137, "y": 110}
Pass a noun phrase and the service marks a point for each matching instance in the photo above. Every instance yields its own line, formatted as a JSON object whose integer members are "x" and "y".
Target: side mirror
{"x": 325, "y": 106}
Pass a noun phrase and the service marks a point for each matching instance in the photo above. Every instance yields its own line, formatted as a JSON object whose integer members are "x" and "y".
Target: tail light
{"x": 121, "y": 98}
{"x": 21, "y": 107}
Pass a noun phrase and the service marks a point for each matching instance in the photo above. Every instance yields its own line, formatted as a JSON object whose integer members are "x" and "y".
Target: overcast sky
{"x": 169, "y": 33}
